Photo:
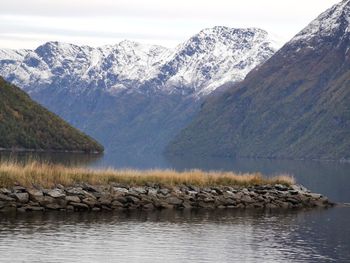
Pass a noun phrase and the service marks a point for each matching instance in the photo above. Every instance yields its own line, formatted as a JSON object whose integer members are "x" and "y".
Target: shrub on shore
{"x": 49, "y": 175}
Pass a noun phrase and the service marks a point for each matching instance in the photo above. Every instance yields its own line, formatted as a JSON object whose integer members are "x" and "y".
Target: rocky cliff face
{"x": 296, "y": 105}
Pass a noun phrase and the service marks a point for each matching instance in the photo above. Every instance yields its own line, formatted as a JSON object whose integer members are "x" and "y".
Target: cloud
{"x": 168, "y": 23}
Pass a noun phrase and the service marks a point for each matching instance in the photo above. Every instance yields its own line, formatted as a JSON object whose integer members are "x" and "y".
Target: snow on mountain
{"x": 133, "y": 97}
{"x": 304, "y": 95}
{"x": 216, "y": 56}
{"x": 198, "y": 66}
{"x": 129, "y": 60}
{"x": 326, "y": 24}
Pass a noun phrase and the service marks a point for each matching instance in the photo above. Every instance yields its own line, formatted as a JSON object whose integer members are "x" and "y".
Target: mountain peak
{"x": 128, "y": 43}
{"x": 213, "y": 57}
{"x": 223, "y": 32}
{"x": 209, "y": 59}
{"x": 50, "y": 45}
{"x": 333, "y": 21}
{"x": 140, "y": 47}
{"x": 295, "y": 105}
{"x": 207, "y": 39}
{"x": 55, "y": 48}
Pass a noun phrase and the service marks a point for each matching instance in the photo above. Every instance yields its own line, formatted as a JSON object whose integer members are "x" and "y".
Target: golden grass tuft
{"x": 49, "y": 175}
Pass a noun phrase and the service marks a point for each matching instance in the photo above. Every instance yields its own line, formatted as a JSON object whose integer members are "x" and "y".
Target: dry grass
{"x": 49, "y": 175}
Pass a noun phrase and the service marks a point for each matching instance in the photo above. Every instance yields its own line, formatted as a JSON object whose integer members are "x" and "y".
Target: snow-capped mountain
{"x": 130, "y": 96}
{"x": 81, "y": 67}
{"x": 207, "y": 60}
{"x": 294, "y": 106}
{"x": 214, "y": 57}
{"x": 334, "y": 21}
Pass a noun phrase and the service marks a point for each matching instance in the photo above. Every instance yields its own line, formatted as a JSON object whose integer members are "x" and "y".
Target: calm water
{"x": 168, "y": 236}
{"x": 329, "y": 178}
{"x": 197, "y": 236}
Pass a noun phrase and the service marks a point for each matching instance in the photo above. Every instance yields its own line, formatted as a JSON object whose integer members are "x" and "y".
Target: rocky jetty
{"x": 85, "y": 197}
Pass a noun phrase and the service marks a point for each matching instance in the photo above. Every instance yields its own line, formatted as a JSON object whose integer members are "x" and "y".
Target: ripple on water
{"x": 188, "y": 236}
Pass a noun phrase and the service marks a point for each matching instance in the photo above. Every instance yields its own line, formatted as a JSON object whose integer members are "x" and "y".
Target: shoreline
{"x": 25, "y": 150}
{"x": 118, "y": 197}
{"x": 243, "y": 157}
{"x": 42, "y": 187}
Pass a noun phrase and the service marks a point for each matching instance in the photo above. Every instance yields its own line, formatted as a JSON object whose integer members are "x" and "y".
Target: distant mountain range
{"x": 134, "y": 97}
{"x": 26, "y": 125}
{"x": 295, "y": 105}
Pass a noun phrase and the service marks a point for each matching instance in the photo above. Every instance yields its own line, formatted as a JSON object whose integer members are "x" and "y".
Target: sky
{"x": 30, "y": 23}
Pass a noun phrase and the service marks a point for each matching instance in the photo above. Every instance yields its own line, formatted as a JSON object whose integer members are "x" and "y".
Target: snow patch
{"x": 326, "y": 23}
{"x": 196, "y": 67}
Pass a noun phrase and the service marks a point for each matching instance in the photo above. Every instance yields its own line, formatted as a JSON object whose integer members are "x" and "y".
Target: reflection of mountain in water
{"x": 133, "y": 161}
{"x": 69, "y": 159}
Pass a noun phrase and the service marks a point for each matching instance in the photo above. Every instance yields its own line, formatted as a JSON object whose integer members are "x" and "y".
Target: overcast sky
{"x": 29, "y": 23}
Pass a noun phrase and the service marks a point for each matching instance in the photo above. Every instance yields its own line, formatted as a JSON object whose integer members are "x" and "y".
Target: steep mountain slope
{"x": 295, "y": 105}
{"x": 25, "y": 124}
{"x": 212, "y": 58}
{"x": 135, "y": 97}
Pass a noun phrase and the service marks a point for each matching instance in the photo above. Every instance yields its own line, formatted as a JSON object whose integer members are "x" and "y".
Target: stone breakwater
{"x": 86, "y": 197}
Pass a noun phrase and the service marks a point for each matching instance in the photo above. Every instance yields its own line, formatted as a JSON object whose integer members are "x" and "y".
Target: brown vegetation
{"x": 49, "y": 175}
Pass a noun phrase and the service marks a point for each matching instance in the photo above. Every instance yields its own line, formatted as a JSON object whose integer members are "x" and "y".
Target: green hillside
{"x": 24, "y": 124}
{"x": 296, "y": 105}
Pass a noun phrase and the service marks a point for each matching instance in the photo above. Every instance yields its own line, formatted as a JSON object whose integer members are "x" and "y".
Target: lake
{"x": 187, "y": 236}
{"x": 329, "y": 178}
{"x": 170, "y": 236}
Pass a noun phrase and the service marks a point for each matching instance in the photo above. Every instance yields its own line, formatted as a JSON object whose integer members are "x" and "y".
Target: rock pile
{"x": 85, "y": 197}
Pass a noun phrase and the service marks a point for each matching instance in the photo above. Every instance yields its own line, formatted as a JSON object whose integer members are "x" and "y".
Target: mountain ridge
{"x": 128, "y": 64}
{"x": 294, "y": 106}
{"x": 134, "y": 97}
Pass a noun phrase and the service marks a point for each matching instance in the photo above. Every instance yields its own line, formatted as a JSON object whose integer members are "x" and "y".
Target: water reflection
{"x": 69, "y": 159}
{"x": 185, "y": 236}
{"x": 135, "y": 161}
{"x": 177, "y": 236}
{"x": 329, "y": 178}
